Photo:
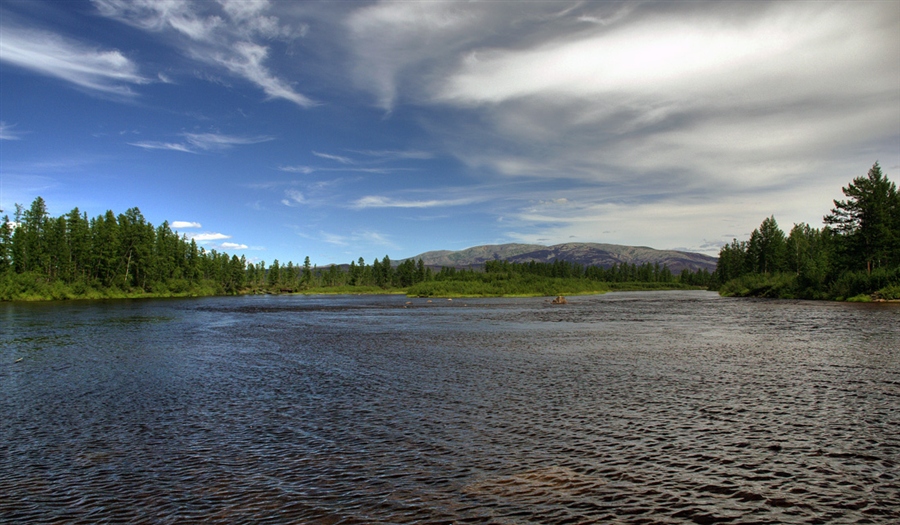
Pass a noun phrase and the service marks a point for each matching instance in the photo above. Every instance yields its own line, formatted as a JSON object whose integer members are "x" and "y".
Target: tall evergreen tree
{"x": 29, "y": 238}
{"x": 766, "y": 249}
{"x": 80, "y": 242}
{"x": 5, "y": 245}
{"x": 868, "y": 222}
{"x": 105, "y": 247}
{"x": 306, "y": 278}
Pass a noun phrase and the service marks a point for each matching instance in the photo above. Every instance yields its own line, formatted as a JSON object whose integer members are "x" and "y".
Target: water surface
{"x": 651, "y": 407}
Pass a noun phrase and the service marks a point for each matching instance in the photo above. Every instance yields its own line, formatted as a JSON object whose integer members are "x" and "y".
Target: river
{"x": 645, "y": 407}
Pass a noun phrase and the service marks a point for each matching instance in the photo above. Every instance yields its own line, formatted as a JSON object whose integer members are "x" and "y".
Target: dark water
{"x": 670, "y": 407}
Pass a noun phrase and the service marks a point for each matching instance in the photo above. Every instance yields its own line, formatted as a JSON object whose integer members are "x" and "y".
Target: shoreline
{"x": 648, "y": 287}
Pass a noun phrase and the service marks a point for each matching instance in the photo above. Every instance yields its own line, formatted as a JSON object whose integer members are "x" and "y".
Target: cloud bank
{"x": 650, "y": 111}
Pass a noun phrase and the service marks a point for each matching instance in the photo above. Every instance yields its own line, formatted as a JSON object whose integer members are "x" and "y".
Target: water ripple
{"x": 675, "y": 407}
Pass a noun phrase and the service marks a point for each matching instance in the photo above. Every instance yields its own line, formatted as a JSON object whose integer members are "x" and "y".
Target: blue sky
{"x": 339, "y": 130}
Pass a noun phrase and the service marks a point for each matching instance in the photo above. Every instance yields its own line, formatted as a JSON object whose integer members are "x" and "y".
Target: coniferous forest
{"x": 118, "y": 256}
{"x": 854, "y": 256}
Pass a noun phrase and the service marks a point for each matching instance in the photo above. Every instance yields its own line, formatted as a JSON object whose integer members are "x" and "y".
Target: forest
{"x": 854, "y": 256}
{"x": 120, "y": 256}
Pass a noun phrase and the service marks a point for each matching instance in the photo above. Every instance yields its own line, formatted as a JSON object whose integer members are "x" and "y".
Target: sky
{"x": 339, "y": 130}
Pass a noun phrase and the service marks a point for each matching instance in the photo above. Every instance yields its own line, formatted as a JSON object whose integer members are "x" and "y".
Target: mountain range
{"x": 587, "y": 254}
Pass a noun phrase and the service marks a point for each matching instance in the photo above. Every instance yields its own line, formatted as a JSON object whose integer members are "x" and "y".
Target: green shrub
{"x": 890, "y": 293}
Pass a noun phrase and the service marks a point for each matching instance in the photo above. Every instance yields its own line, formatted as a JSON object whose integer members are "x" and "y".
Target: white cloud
{"x": 224, "y": 34}
{"x": 211, "y": 236}
{"x": 655, "y": 57}
{"x": 246, "y": 59}
{"x": 696, "y": 220}
{"x": 376, "y": 201}
{"x": 337, "y": 158}
{"x": 391, "y": 39}
{"x": 306, "y": 170}
{"x": 185, "y": 224}
{"x": 663, "y": 125}
{"x": 173, "y": 146}
{"x": 104, "y": 71}
{"x": 196, "y": 142}
{"x": 723, "y": 102}
{"x": 294, "y": 198}
{"x": 216, "y": 141}
{"x": 7, "y": 132}
{"x": 398, "y": 154}
{"x": 233, "y": 246}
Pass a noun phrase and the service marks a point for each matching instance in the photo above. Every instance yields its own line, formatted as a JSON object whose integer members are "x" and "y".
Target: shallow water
{"x": 650, "y": 407}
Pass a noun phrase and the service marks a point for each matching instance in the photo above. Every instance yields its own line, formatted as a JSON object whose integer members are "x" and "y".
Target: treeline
{"x": 74, "y": 256}
{"x": 855, "y": 255}
{"x": 504, "y": 278}
{"x": 381, "y": 274}
{"x": 617, "y": 273}
{"x": 105, "y": 256}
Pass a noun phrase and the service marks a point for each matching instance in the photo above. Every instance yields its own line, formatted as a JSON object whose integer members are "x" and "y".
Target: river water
{"x": 651, "y": 407}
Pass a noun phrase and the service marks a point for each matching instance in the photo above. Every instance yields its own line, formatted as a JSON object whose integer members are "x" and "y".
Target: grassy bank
{"x": 539, "y": 288}
{"x": 34, "y": 287}
{"x": 880, "y": 284}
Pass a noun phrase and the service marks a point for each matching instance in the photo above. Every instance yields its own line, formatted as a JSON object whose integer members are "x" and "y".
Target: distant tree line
{"x": 74, "y": 256}
{"x": 855, "y": 255}
{"x": 498, "y": 278}
{"x": 617, "y": 273}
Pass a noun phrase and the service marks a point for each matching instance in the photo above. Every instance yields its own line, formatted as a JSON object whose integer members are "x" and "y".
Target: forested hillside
{"x": 583, "y": 253}
{"x": 855, "y": 255}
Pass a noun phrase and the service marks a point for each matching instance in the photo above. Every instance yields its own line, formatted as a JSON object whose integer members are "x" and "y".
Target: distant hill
{"x": 588, "y": 254}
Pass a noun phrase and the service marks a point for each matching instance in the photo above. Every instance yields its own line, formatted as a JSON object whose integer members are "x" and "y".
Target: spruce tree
{"x": 867, "y": 223}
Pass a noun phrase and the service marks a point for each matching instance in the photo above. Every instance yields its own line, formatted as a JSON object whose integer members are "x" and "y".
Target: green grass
{"x": 36, "y": 287}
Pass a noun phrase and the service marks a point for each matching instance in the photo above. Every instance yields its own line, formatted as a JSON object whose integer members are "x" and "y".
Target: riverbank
{"x": 32, "y": 290}
{"x": 876, "y": 286}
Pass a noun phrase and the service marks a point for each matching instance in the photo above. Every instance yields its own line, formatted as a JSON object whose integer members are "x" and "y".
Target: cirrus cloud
{"x": 376, "y": 201}
{"x": 293, "y": 198}
{"x": 105, "y": 71}
{"x": 226, "y": 34}
{"x": 197, "y": 142}
{"x": 7, "y": 132}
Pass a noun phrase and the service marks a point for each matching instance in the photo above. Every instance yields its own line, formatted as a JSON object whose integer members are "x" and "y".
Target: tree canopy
{"x": 868, "y": 222}
{"x": 855, "y": 254}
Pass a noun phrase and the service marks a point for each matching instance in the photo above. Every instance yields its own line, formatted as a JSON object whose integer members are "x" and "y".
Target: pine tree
{"x": 307, "y": 272}
{"x": 867, "y": 224}
{"x": 5, "y": 245}
{"x": 766, "y": 249}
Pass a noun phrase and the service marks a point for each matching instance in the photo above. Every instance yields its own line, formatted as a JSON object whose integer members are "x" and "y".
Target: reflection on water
{"x": 655, "y": 407}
